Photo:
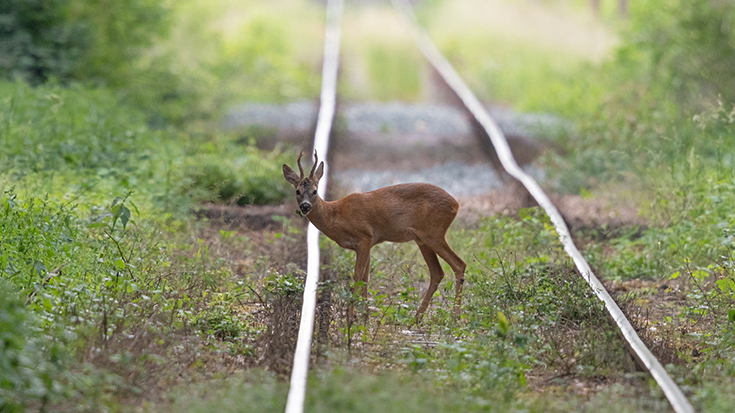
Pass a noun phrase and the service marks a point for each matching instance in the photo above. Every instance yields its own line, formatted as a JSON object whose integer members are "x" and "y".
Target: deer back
{"x": 395, "y": 213}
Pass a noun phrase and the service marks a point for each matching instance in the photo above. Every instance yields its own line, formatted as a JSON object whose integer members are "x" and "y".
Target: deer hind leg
{"x": 436, "y": 275}
{"x": 458, "y": 266}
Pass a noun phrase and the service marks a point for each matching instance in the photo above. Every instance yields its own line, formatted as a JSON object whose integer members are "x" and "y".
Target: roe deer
{"x": 400, "y": 213}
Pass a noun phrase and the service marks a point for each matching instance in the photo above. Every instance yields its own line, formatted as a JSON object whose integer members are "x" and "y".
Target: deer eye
{"x": 298, "y": 192}
{"x": 314, "y": 193}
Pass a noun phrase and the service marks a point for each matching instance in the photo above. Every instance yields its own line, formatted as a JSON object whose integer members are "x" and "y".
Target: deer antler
{"x": 313, "y": 168}
{"x": 298, "y": 161}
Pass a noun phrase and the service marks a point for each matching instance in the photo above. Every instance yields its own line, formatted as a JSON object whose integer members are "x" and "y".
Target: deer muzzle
{"x": 305, "y": 207}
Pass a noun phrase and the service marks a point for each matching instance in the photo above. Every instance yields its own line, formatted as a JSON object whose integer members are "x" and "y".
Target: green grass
{"x": 31, "y": 366}
{"x": 525, "y": 312}
{"x": 97, "y": 240}
{"x": 344, "y": 389}
{"x": 519, "y": 73}
{"x": 61, "y": 140}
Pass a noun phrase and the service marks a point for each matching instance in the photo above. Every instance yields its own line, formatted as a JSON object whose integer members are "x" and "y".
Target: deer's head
{"x": 306, "y": 187}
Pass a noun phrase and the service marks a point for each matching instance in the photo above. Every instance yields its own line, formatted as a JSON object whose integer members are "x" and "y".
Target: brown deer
{"x": 400, "y": 213}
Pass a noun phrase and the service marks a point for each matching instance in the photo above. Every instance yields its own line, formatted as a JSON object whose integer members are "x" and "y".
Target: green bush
{"x": 78, "y": 136}
{"x": 53, "y": 127}
{"x": 99, "y": 42}
{"x": 78, "y": 39}
{"x": 118, "y": 32}
{"x": 688, "y": 47}
{"x": 246, "y": 177}
{"x": 127, "y": 46}
{"x": 30, "y": 364}
{"x": 38, "y": 41}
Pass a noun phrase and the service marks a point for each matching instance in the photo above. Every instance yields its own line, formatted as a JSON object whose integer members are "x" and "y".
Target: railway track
{"x": 504, "y": 158}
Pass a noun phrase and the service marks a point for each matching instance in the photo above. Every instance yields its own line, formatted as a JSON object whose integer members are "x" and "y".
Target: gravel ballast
{"x": 382, "y": 144}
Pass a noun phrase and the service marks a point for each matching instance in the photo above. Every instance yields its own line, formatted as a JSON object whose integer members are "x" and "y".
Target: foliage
{"x": 521, "y": 61}
{"x": 79, "y": 39}
{"x": 38, "y": 41}
{"x": 635, "y": 114}
{"x": 522, "y": 276}
{"x": 206, "y": 66}
{"x": 103, "y": 43}
{"x": 686, "y": 46}
{"x": 117, "y": 32}
{"x": 53, "y": 128}
{"x": 86, "y": 136}
{"x": 344, "y": 390}
{"x": 693, "y": 217}
{"x": 260, "y": 64}
{"x": 31, "y": 363}
{"x": 246, "y": 177}
{"x": 331, "y": 390}
{"x": 138, "y": 48}
{"x": 71, "y": 267}
{"x": 112, "y": 273}
{"x": 106, "y": 281}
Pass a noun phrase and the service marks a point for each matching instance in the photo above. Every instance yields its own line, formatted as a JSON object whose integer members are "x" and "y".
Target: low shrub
{"x": 31, "y": 363}
{"x": 53, "y": 127}
{"x": 245, "y": 177}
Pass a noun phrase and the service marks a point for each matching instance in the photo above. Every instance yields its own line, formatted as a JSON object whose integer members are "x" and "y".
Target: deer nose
{"x": 305, "y": 207}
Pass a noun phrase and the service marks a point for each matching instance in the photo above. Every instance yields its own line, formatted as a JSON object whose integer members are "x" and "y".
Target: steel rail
{"x": 327, "y": 106}
{"x": 643, "y": 355}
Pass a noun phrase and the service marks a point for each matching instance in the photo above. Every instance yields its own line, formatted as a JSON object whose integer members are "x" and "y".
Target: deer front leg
{"x": 362, "y": 271}
{"x": 362, "y": 267}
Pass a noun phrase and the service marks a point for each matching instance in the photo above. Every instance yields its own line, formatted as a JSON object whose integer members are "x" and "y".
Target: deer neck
{"x": 322, "y": 215}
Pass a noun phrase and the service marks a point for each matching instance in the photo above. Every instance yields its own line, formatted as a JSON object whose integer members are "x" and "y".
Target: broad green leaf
{"x": 124, "y": 216}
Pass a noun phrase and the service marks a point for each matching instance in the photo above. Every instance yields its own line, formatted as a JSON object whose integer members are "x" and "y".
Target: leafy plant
{"x": 246, "y": 177}
{"x": 77, "y": 40}
{"x": 38, "y": 41}
{"x": 31, "y": 363}
{"x": 52, "y": 128}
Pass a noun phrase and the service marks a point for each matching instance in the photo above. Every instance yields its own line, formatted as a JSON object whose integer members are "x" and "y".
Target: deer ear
{"x": 319, "y": 172}
{"x": 290, "y": 175}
